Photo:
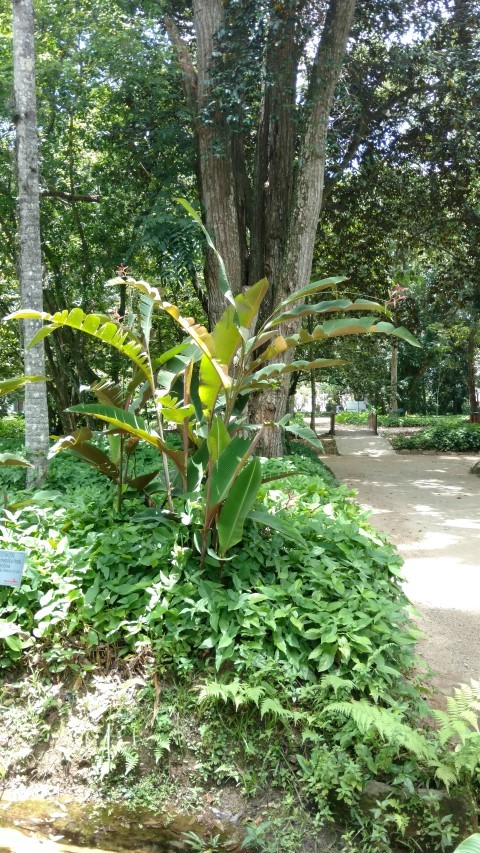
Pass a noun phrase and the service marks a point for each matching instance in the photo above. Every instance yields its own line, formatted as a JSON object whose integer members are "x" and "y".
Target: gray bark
{"x": 30, "y": 258}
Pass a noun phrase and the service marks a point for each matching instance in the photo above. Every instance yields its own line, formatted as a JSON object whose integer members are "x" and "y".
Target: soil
{"x": 429, "y": 506}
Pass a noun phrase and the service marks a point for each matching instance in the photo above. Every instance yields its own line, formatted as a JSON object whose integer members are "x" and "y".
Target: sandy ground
{"x": 429, "y": 506}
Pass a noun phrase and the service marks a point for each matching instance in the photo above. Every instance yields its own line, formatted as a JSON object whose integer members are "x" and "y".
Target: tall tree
{"x": 262, "y": 210}
{"x": 30, "y": 256}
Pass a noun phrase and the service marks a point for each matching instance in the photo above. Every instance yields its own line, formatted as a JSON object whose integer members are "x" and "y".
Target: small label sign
{"x": 11, "y": 567}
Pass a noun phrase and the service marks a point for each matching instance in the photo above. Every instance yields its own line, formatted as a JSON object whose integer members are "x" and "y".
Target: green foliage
{"x": 470, "y": 845}
{"x": 197, "y": 392}
{"x": 459, "y": 438}
{"x": 361, "y": 419}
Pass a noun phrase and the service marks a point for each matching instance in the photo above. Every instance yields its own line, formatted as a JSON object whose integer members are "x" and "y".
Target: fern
{"x": 337, "y": 683}
{"x": 369, "y": 717}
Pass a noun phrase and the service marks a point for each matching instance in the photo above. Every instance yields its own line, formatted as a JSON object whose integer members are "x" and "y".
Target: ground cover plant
{"x": 390, "y": 420}
{"x": 290, "y": 668}
{"x": 462, "y": 437}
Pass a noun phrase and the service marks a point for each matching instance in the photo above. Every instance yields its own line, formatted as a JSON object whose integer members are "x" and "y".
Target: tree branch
{"x": 190, "y": 83}
{"x": 71, "y": 198}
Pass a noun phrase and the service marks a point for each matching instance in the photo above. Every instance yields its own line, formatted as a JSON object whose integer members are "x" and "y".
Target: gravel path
{"x": 429, "y": 506}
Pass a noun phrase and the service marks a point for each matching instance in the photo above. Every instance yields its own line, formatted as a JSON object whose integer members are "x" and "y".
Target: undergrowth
{"x": 361, "y": 419}
{"x": 292, "y": 667}
{"x": 460, "y": 438}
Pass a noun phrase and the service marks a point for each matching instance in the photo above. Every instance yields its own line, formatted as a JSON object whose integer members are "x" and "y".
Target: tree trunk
{"x": 394, "y": 376}
{"x": 219, "y": 188}
{"x": 307, "y": 198}
{"x": 471, "y": 353}
{"x": 30, "y": 258}
{"x": 313, "y": 393}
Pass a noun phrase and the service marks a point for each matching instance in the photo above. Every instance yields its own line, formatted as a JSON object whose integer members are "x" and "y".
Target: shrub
{"x": 460, "y": 438}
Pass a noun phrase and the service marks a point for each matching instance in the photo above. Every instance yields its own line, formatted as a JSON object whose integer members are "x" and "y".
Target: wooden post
{"x": 332, "y": 423}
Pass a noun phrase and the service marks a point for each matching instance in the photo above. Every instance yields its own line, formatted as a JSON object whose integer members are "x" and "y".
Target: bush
{"x": 460, "y": 438}
{"x": 361, "y": 419}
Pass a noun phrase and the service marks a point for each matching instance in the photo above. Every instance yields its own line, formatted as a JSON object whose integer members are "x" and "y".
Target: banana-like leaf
{"x": 141, "y": 482}
{"x": 313, "y": 287}
{"x": 132, "y": 424}
{"x": 196, "y": 467}
{"x": 305, "y": 433}
{"x": 198, "y": 333}
{"x": 305, "y": 310}
{"x": 470, "y": 845}
{"x": 146, "y": 306}
{"x": 226, "y": 468}
{"x": 218, "y": 438}
{"x": 347, "y": 326}
{"x": 223, "y": 279}
{"x": 79, "y": 444}
{"x": 172, "y": 410}
{"x": 110, "y": 393}
{"x": 238, "y": 504}
{"x": 11, "y": 459}
{"x": 227, "y": 338}
{"x": 276, "y": 523}
{"x": 9, "y": 385}
{"x": 97, "y": 325}
{"x": 271, "y": 371}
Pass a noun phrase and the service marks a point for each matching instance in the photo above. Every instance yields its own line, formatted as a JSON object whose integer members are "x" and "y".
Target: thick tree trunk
{"x": 219, "y": 187}
{"x": 394, "y": 375}
{"x": 471, "y": 353}
{"x": 30, "y": 258}
{"x": 297, "y": 260}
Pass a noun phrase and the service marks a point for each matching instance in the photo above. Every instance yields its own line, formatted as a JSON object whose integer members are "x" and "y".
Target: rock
{"x": 475, "y": 469}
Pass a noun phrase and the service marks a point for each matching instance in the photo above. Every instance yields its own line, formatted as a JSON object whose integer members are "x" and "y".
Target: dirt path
{"x": 429, "y": 506}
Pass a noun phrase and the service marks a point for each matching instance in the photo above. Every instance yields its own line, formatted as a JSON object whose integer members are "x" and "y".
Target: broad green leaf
{"x": 79, "y": 444}
{"x": 470, "y": 845}
{"x": 227, "y": 338}
{"x": 11, "y": 459}
{"x": 305, "y": 309}
{"x": 145, "y": 307}
{"x": 9, "y": 385}
{"x": 218, "y": 438}
{"x": 230, "y": 461}
{"x": 198, "y": 333}
{"x": 273, "y": 370}
{"x": 132, "y": 424}
{"x": 238, "y": 504}
{"x": 97, "y": 325}
{"x": 109, "y": 392}
{"x": 196, "y": 467}
{"x": 305, "y": 433}
{"x": 223, "y": 280}
{"x": 313, "y": 287}
{"x": 399, "y": 332}
{"x": 9, "y": 629}
{"x": 279, "y": 524}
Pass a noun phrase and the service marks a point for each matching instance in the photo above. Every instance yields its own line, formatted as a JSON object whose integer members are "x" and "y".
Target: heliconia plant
{"x": 7, "y": 386}
{"x": 200, "y": 389}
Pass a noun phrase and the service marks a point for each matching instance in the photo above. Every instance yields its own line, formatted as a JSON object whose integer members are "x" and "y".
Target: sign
{"x": 11, "y": 567}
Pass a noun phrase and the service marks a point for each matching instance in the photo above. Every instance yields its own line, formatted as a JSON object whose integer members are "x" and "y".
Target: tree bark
{"x": 218, "y": 184}
{"x": 394, "y": 375}
{"x": 471, "y": 353}
{"x": 297, "y": 260}
{"x": 30, "y": 257}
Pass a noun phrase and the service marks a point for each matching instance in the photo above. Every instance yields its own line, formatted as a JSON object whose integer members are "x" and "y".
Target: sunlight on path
{"x": 429, "y": 506}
